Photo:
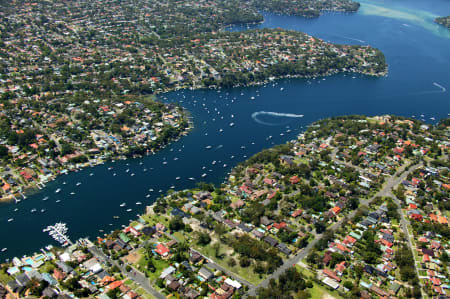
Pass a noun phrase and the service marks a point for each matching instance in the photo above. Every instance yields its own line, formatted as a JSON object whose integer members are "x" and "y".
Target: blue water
{"x": 418, "y": 54}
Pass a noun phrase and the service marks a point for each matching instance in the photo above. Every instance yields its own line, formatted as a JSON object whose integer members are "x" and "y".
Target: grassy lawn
{"x": 4, "y": 277}
{"x": 246, "y": 273}
{"x": 153, "y": 219}
{"x": 318, "y": 291}
{"x": 160, "y": 265}
{"x": 179, "y": 236}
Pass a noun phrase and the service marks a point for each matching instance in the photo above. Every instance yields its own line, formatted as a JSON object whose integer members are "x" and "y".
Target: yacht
{"x": 58, "y": 190}
{"x": 72, "y": 193}
{"x": 123, "y": 204}
{"x": 209, "y": 147}
{"x": 10, "y": 219}
{"x": 138, "y": 203}
{"x": 78, "y": 184}
{"x": 45, "y": 198}
{"x": 4, "y": 249}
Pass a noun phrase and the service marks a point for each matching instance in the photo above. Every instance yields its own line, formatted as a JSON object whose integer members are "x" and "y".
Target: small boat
{"x": 224, "y": 165}
{"x": 177, "y": 178}
{"x": 33, "y": 210}
{"x": 231, "y": 124}
{"x": 16, "y": 209}
{"x": 203, "y": 175}
{"x": 110, "y": 168}
{"x": 42, "y": 210}
{"x": 132, "y": 174}
{"x": 282, "y": 88}
{"x": 128, "y": 170}
{"x": 64, "y": 183}
{"x": 209, "y": 147}
{"x": 192, "y": 179}
{"x": 10, "y": 219}
{"x": 252, "y": 98}
{"x": 123, "y": 204}
{"x": 4, "y": 249}
{"x": 172, "y": 187}
{"x": 58, "y": 190}
{"x": 129, "y": 210}
{"x": 213, "y": 162}
{"x": 91, "y": 174}
{"x": 78, "y": 184}
{"x": 138, "y": 203}
{"x": 220, "y": 130}
{"x": 148, "y": 195}
{"x": 72, "y": 193}
{"x": 232, "y": 157}
{"x": 151, "y": 190}
{"x": 164, "y": 162}
{"x": 58, "y": 201}
{"x": 114, "y": 174}
{"x": 116, "y": 217}
{"x": 45, "y": 198}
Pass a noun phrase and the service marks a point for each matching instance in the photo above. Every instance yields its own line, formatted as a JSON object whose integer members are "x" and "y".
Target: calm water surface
{"x": 418, "y": 54}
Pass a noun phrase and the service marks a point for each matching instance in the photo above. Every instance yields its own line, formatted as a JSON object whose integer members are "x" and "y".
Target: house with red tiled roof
{"x": 114, "y": 285}
{"x": 331, "y": 274}
{"x": 294, "y": 180}
{"x": 162, "y": 250}
{"x": 297, "y": 213}
{"x": 340, "y": 268}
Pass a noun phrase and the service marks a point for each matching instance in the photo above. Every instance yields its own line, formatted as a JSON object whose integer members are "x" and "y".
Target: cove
{"x": 418, "y": 57}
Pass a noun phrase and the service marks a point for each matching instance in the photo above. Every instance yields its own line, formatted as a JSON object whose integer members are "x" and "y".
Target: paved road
{"x": 134, "y": 274}
{"x": 337, "y": 161}
{"x": 212, "y": 264}
{"x": 385, "y": 191}
{"x": 404, "y": 226}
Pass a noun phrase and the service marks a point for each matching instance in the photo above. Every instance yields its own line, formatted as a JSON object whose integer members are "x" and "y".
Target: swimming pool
{"x": 26, "y": 269}
{"x": 29, "y": 261}
{"x": 39, "y": 257}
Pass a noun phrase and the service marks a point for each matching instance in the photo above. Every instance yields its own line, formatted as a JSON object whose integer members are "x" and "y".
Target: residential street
{"x": 134, "y": 275}
{"x": 385, "y": 191}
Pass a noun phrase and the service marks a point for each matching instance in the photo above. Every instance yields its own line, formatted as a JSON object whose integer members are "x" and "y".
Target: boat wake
{"x": 442, "y": 89}
{"x": 276, "y": 114}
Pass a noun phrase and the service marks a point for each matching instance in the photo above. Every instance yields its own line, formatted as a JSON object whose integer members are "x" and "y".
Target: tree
{"x": 203, "y": 238}
{"x": 176, "y": 223}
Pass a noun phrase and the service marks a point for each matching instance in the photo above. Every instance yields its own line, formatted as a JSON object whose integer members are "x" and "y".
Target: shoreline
{"x": 31, "y": 190}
